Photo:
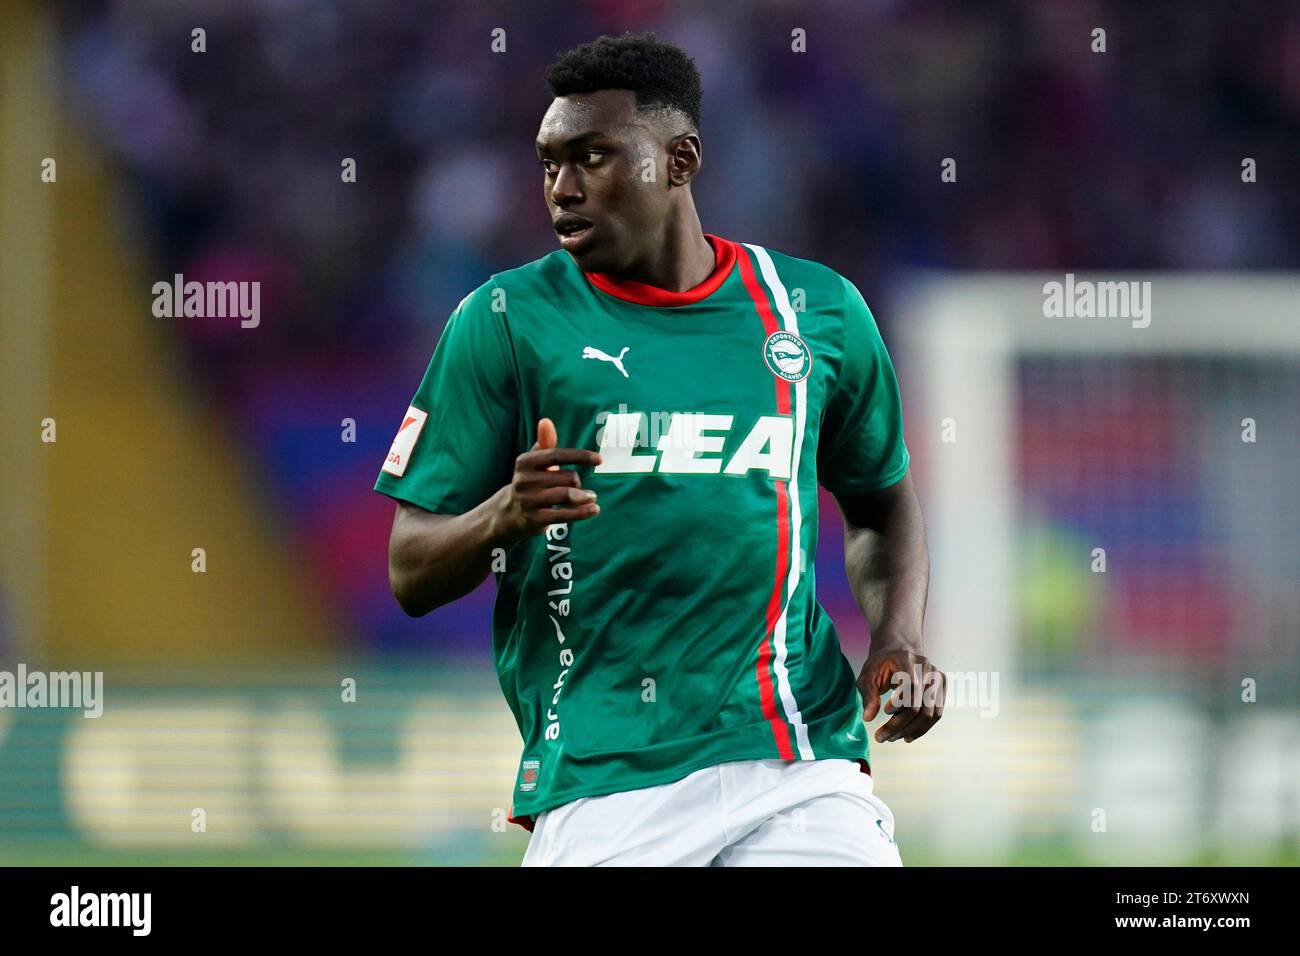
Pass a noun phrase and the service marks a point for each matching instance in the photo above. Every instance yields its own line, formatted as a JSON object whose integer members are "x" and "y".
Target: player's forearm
{"x": 889, "y": 570}
{"x": 435, "y": 559}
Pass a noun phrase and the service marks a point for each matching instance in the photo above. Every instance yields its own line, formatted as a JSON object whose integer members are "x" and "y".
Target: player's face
{"x": 595, "y": 150}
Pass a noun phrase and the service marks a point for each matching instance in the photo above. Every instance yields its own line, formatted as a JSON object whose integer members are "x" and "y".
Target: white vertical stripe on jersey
{"x": 788, "y": 702}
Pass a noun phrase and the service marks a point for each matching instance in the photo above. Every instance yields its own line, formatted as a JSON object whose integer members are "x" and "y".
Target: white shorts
{"x": 742, "y": 813}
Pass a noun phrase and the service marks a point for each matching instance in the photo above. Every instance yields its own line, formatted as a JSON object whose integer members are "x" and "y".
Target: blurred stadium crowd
{"x": 1066, "y": 159}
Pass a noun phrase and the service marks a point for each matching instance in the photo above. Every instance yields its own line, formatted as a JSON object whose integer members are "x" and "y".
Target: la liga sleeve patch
{"x": 400, "y": 453}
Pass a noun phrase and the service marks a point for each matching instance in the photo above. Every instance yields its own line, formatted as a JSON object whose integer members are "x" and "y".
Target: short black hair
{"x": 659, "y": 74}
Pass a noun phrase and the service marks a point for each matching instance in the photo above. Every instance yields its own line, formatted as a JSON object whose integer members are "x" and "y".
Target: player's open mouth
{"x": 574, "y": 231}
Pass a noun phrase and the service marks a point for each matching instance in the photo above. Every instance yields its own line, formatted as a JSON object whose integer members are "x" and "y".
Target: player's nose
{"x": 567, "y": 187}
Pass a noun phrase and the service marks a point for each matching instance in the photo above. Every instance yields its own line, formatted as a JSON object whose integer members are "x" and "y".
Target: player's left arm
{"x": 888, "y": 569}
{"x": 863, "y": 461}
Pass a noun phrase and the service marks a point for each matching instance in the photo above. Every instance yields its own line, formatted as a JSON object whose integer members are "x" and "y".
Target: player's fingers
{"x": 546, "y": 437}
{"x": 901, "y": 683}
{"x": 872, "y": 708}
{"x": 548, "y": 516}
{"x": 905, "y": 690}
{"x": 919, "y": 708}
{"x": 932, "y": 699}
{"x": 918, "y": 729}
{"x": 882, "y": 677}
{"x": 900, "y": 725}
{"x": 912, "y": 724}
{"x": 904, "y": 703}
{"x": 941, "y": 694}
{"x": 562, "y": 495}
{"x": 870, "y": 686}
{"x": 543, "y": 458}
{"x": 901, "y": 691}
{"x": 529, "y": 480}
{"x": 916, "y": 672}
{"x": 886, "y": 731}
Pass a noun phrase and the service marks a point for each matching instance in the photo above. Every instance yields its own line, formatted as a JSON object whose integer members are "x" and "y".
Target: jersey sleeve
{"x": 861, "y": 445}
{"x": 456, "y": 445}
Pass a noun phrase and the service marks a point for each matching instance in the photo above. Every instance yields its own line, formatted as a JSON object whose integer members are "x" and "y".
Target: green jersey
{"x": 679, "y": 628}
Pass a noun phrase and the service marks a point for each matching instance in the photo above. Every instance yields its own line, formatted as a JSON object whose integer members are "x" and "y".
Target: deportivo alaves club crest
{"x": 787, "y": 356}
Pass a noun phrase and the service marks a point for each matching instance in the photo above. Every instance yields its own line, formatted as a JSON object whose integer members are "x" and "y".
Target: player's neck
{"x": 683, "y": 260}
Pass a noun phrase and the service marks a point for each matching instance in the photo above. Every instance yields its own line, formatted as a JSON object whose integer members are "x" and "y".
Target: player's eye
{"x": 550, "y": 165}
{"x": 592, "y": 157}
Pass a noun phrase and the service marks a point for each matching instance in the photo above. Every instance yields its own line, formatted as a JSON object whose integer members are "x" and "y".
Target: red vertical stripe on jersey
{"x": 779, "y": 729}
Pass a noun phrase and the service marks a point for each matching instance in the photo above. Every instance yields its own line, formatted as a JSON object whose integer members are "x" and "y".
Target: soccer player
{"x": 629, "y": 433}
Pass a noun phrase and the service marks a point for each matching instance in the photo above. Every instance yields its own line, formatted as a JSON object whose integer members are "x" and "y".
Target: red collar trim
{"x": 643, "y": 294}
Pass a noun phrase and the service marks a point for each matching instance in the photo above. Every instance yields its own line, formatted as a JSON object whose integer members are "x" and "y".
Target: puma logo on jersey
{"x": 591, "y": 353}
{"x": 692, "y": 445}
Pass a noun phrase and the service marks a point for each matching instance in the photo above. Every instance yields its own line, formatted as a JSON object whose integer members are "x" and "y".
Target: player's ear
{"x": 684, "y": 159}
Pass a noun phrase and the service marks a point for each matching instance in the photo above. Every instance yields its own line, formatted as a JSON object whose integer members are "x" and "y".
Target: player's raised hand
{"x": 916, "y": 703}
{"x": 543, "y": 493}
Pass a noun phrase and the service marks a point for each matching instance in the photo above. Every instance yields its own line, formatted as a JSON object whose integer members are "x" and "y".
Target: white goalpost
{"x": 1032, "y": 757}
